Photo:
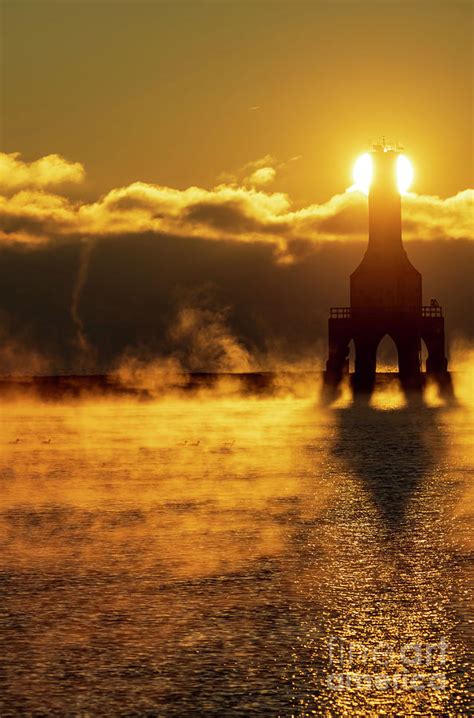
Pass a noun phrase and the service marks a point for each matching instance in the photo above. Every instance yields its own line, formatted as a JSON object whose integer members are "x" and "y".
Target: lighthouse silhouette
{"x": 386, "y": 297}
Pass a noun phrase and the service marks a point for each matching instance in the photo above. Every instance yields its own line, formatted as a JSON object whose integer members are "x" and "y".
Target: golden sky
{"x": 178, "y": 93}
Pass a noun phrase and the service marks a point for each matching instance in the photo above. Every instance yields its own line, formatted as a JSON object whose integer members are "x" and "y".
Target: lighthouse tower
{"x": 386, "y": 296}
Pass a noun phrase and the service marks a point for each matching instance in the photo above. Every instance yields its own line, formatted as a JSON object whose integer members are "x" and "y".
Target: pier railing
{"x": 432, "y": 310}
{"x": 340, "y": 312}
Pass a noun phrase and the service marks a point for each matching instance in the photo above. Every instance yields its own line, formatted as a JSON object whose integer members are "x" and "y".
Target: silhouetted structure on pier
{"x": 386, "y": 297}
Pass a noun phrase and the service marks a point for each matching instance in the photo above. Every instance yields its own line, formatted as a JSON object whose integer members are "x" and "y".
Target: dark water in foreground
{"x": 219, "y": 555}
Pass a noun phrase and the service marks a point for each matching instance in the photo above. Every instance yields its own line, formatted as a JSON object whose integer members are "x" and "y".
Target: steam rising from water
{"x": 206, "y": 344}
{"x": 18, "y": 359}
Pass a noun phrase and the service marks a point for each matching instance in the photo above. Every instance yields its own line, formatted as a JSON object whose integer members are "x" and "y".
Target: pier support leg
{"x": 337, "y": 364}
{"x": 409, "y": 368}
{"x": 365, "y": 364}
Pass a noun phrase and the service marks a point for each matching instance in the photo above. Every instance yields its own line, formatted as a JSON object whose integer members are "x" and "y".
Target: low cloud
{"x": 430, "y": 217}
{"x": 258, "y": 173}
{"x": 261, "y": 176}
{"x": 51, "y": 171}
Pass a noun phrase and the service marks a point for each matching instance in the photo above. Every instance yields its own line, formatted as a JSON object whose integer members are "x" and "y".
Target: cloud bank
{"x": 242, "y": 210}
{"x": 51, "y": 171}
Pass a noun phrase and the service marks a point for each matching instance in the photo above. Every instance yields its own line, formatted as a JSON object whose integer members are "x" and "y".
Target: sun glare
{"x": 362, "y": 173}
{"x": 404, "y": 173}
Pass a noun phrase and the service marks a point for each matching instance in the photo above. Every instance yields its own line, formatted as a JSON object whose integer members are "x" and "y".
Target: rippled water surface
{"x": 234, "y": 556}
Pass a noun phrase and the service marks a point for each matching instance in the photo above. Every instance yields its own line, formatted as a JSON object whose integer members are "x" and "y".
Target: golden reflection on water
{"x": 197, "y": 556}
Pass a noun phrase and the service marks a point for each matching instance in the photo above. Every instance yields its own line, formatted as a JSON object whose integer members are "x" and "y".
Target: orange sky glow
{"x": 188, "y": 93}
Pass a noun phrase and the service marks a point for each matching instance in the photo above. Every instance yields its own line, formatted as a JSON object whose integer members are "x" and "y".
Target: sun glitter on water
{"x": 362, "y": 173}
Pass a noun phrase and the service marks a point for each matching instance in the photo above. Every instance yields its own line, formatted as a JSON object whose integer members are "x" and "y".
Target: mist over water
{"x": 224, "y": 553}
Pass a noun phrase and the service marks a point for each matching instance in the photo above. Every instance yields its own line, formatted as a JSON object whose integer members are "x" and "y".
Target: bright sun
{"x": 362, "y": 173}
{"x": 404, "y": 174}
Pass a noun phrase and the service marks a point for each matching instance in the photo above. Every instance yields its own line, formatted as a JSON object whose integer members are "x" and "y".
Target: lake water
{"x": 227, "y": 555}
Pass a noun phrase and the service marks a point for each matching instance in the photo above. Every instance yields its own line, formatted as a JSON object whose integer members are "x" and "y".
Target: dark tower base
{"x": 368, "y": 327}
